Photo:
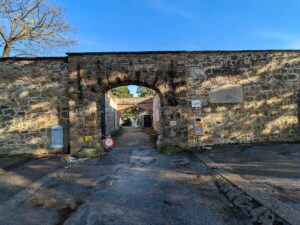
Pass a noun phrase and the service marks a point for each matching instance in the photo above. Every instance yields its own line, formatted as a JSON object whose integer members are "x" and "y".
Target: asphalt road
{"x": 140, "y": 186}
{"x": 270, "y": 174}
{"x": 17, "y": 174}
{"x": 134, "y": 185}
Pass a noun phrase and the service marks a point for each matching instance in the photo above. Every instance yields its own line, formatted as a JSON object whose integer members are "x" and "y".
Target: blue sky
{"x": 136, "y": 25}
{"x": 133, "y": 89}
{"x": 139, "y": 25}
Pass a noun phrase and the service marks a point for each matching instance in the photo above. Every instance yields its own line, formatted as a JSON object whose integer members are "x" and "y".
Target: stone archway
{"x": 115, "y": 107}
{"x": 92, "y": 75}
{"x": 123, "y": 104}
{"x": 143, "y": 110}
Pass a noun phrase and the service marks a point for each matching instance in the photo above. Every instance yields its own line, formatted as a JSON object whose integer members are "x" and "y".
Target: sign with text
{"x": 173, "y": 123}
{"x": 196, "y": 103}
{"x": 198, "y": 127}
{"x": 88, "y": 138}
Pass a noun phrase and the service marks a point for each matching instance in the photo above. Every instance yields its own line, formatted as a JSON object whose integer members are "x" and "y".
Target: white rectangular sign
{"x": 196, "y": 103}
{"x": 173, "y": 123}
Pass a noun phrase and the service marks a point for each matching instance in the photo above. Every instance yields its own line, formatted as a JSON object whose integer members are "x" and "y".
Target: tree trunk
{"x": 6, "y": 50}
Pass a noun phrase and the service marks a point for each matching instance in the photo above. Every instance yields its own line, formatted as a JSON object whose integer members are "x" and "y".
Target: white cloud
{"x": 95, "y": 43}
{"x": 183, "y": 12}
{"x": 287, "y": 40}
{"x": 295, "y": 44}
{"x": 276, "y": 35}
{"x": 169, "y": 8}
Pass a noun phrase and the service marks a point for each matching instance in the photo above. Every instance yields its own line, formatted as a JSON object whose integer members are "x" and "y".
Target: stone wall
{"x": 157, "y": 126}
{"x": 91, "y": 75}
{"x": 247, "y": 97}
{"x": 33, "y": 98}
{"x": 111, "y": 115}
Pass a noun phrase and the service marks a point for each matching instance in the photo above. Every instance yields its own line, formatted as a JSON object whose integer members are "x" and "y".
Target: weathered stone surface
{"x": 226, "y": 94}
{"x": 156, "y": 115}
{"x": 33, "y": 98}
{"x": 36, "y": 94}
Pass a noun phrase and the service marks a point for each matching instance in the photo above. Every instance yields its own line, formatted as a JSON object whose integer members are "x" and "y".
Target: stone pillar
{"x": 85, "y": 112}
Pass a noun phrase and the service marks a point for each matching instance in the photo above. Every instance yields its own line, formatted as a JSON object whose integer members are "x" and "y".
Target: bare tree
{"x": 31, "y": 26}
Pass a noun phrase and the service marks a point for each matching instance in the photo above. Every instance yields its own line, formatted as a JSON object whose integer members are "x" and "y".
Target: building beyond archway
{"x": 123, "y": 104}
{"x": 115, "y": 107}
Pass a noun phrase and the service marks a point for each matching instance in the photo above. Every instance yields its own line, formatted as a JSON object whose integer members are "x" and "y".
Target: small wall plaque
{"x": 196, "y": 103}
{"x": 226, "y": 94}
{"x": 173, "y": 123}
{"x": 198, "y": 127}
{"x": 88, "y": 138}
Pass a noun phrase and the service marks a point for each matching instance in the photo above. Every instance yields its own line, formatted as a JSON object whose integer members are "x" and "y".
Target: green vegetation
{"x": 131, "y": 113}
{"x": 129, "y": 116}
{"x": 90, "y": 153}
{"x": 170, "y": 149}
{"x": 123, "y": 92}
{"x": 114, "y": 133}
{"x": 120, "y": 92}
{"x": 145, "y": 92}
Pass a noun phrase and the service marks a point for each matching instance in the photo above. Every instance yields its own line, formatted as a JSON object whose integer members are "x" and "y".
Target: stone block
{"x": 226, "y": 94}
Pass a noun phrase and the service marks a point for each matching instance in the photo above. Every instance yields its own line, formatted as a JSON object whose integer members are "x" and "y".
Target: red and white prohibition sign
{"x": 109, "y": 142}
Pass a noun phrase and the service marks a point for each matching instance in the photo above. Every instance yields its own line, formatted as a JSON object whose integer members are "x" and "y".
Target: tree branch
{"x": 3, "y": 35}
{"x": 32, "y": 22}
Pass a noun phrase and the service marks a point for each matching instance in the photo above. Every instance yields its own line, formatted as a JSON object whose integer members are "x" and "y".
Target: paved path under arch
{"x": 130, "y": 137}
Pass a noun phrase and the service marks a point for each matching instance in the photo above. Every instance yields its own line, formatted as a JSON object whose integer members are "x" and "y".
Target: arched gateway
{"x": 123, "y": 104}
{"x": 246, "y": 96}
{"x": 92, "y": 75}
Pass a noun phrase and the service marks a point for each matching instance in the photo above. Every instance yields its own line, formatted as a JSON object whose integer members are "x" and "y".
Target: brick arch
{"x": 91, "y": 76}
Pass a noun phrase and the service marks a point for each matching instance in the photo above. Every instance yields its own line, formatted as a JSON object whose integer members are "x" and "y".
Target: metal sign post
{"x": 198, "y": 125}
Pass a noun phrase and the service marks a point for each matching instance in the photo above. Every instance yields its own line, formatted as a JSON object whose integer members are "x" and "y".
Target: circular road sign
{"x": 109, "y": 142}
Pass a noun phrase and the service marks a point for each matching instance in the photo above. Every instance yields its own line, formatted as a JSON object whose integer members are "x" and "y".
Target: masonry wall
{"x": 33, "y": 98}
{"x": 247, "y": 97}
{"x": 92, "y": 74}
{"x": 111, "y": 115}
{"x": 157, "y": 125}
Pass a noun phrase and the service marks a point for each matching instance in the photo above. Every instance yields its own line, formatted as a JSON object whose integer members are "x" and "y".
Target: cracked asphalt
{"x": 140, "y": 186}
{"x": 134, "y": 185}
